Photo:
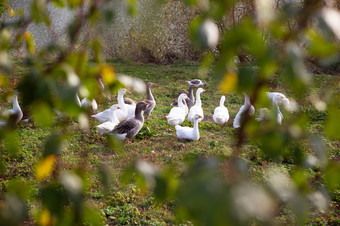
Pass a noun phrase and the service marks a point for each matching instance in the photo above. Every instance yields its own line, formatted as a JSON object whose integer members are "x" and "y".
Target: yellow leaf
{"x": 45, "y": 167}
{"x": 45, "y": 218}
{"x": 229, "y": 82}
{"x": 11, "y": 13}
{"x": 29, "y": 42}
{"x": 108, "y": 74}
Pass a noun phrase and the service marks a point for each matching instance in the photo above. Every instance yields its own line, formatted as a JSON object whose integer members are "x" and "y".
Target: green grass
{"x": 157, "y": 143}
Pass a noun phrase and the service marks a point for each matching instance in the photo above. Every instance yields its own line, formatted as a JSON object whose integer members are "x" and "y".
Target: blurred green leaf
{"x": 74, "y": 3}
{"x": 58, "y": 3}
{"x": 39, "y": 12}
{"x": 53, "y": 145}
{"x": 42, "y": 114}
{"x": 106, "y": 177}
{"x": 318, "y": 46}
{"x": 332, "y": 175}
{"x": 93, "y": 217}
{"x": 332, "y": 126}
{"x": 11, "y": 142}
{"x": 132, "y": 7}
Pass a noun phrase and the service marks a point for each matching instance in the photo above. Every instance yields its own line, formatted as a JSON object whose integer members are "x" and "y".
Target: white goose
{"x": 14, "y": 115}
{"x": 221, "y": 113}
{"x": 111, "y": 124}
{"x": 188, "y": 133}
{"x": 197, "y": 108}
{"x": 177, "y": 114}
{"x": 277, "y": 99}
{"x": 90, "y": 105}
{"x": 123, "y": 111}
{"x": 247, "y": 105}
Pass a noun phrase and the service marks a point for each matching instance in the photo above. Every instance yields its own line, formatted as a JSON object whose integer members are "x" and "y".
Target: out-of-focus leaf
{"x": 106, "y": 177}
{"x": 74, "y": 3}
{"x": 5, "y": 64}
{"x": 166, "y": 185}
{"x": 96, "y": 49}
{"x": 295, "y": 69}
{"x": 331, "y": 16}
{"x": 19, "y": 188}
{"x": 108, "y": 15}
{"x": 300, "y": 179}
{"x": 273, "y": 143}
{"x": 53, "y": 197}
{"x": 44, "y": 167}
{"x": 13, "y": 210}
{"x": 247, "y": 78}
{"x": 205, "y": 64}
{"x": 58, "y": 3}
{"x": 265, "y": 11}
{"x": 132, "y": 7}
{"x": 332, "y": 126}
{"x": 318, "y": 46}
{"x": 29, "y": 42}
{"x": 107, "y": 73}
{"x": 332, "y": 175}
{"x": 73, "y": 184}
{"x": 34, "y": 87}
{"x": 42, "y": 114}
{"x": 204, "y": 197}
{"x": 93, "y": 217}
{"x": 11, "y": 142}
{"x": 39, "y": 12}
{"x": 45, "y": 218}
{"x": 204, "y": 33}
{"x": 53, "y": 145}
{"x": 229, "y": 82}
{"x": 5, "y": 37}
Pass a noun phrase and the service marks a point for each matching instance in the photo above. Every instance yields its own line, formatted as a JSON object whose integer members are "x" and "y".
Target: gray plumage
{"x": 150, "y": 100}
{"x": 129, "y": 128}
{"x": 196, "y": 82}
{"x": 191, "y": 100}
{"x": 129, "y": 101}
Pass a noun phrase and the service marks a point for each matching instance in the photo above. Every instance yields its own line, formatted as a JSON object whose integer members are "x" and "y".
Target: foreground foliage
{"x": 291, "y": 171}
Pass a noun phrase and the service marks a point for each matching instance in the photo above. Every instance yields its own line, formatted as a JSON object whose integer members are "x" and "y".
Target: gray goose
{"x": 191, "y": 96}
{"x": 196, "y": 82}
{"x": 149, "y": 99}
{"x": 129, "y": 101}
{"x": 128, "y": 128}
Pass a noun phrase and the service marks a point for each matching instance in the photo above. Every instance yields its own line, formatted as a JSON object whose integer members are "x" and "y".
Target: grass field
{"x": 157, "y": 143}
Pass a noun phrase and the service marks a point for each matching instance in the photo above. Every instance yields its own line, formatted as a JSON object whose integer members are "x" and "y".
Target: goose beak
{"x": 200, "y": 116}
{"x": 187, "y": 98}
{"x": 127, "y": 91}
{"x": 146, "y": 103}
{"x": 152, "y": 83}
{"x": 204, "y": 90}
{"x": 186, "y": 92}
{"x": 119, "y": 107}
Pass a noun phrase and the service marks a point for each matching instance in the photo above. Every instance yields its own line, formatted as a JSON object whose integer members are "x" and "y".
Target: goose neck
{"x": 120, "y": 99}
{"x": 222, "y": 102}
{"x": 196, "y": 132}
{"x": 139, "y": 114}
{"x": 149, "y": 95}
{"x": 16, "y": 106}
{"x": 180, "y": 102}
{"x": 191, "y": 93}
{"x": 246, "y": 100}
{"x": 198, "y": 99}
